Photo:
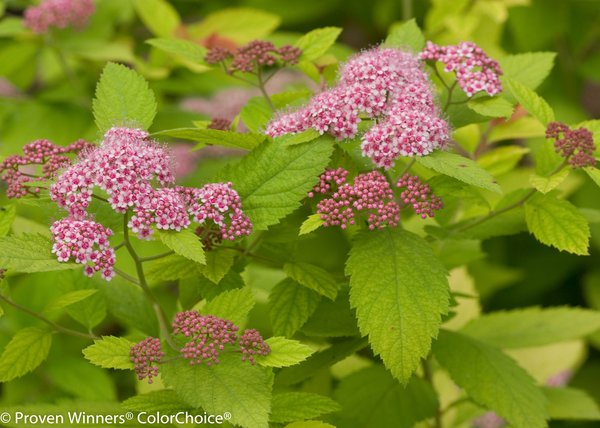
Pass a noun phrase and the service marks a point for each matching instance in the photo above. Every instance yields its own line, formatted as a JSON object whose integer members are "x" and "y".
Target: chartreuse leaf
{"x": 530, "y": 69}
{"x": 218, "y": 263}
{"x": 123, "y": 99}
{"x": 233, "y": 386}
{"x": 405, "y": 35}
{"x": 309, "y": 424}
{"x": 273, "y": 179}
{"x": 284, "y": 353}
{"x": 185, "y": 243}
{"x": 373, "y": 398}
{"x": 240, "y": 24}
{"x": 400, "y": 291}
{"x": 492, "y": 379}
{"x": 110, "y": 352}
{"x": 255, "y": 114}
{"x": 164, "y": 401}
{"x": 571, "y": 404}
{"x": 184, "y": 48}
{"x": 547, "y": 184}
{"x": 158, "y": 16}
{"x": 7, "y": 216}
{"x": 522, "y": 328}
{"x": 532, "y": 102}
{"x": 491, "y": 107}
{"x": 67, "y": 373}
{"x": 313, "y": 277}
{"x": 297, "y": 406}
{"x": 215, "y": 137}
{"x": 461, "y": 168}
{"x": 30, "y": 253}
{"x": 594, "y": 174}
{"x": 172, "y": 268}
{"x": 25, "y": 351}
{"x": 299, "y": 138}
{"x": 68, "y": 299}
{"x": 233, "y": 305}
{"x": 557, "y": 223}
{"x": 501, "y": 160}
{"x": 312, "y": 223}
{"x": 316, "y": 43}
{"x": 290, "y": 306}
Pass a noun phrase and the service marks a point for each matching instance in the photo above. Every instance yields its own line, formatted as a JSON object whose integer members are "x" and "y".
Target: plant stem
{"x": 449, "y": 101}
{"x": 158, "y": 310}
{"x": 407, "y": 10}
{"x": 437, "y": 422}
{"x": 52, "y": 324}
{"x": 263, "y": 89}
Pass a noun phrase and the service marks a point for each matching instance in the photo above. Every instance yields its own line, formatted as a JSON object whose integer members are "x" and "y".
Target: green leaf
{"x": 232, "y": 305}
{"x": 312, "y": 223}
{"x": 123, "y": 99}
{"x": 546, "y": 184}
{"x": 491, "y": 107}
{"x": 67, "y": 373}
{"x": 501, "y": 160}
{"x": 313, "y": 277}
{"x": 68, "y": 299}
{"x": 298, "y": 138}
{"x": 530, "y": 69}
{"x": 164, "y": 401}
{"x": 461, "y": 168}
{"x": 532, "y": 102}
{"x": 571, "y": 404}
{"x": 290, "y": 306}
{"x": 333, "y": 319}
{"x": 110, "y": 352}
{"x": 30, "y": 253}
{"x": 172, "y": 268}
{"x": 129, "y": 305}
{"x": 239, "y": 24}
{"x": 284, "y": 353}
{"x": 158, "y": 16}
{"x": 26, "y": 350}
{"x": 218, "y": 263}
{"x": 7, "y": 216}
{"x": 400, "y": 291}
{"x": 296, "y": 406}
{"x": 215, "y": 137}
{"x": 183, "y": 48}
{"x": 525, "y": 127}
{"x": 373, "y": 398}
{"x": 405, "y": 35}
{"x": 232, "y": 386}
{"x": 557, "y": 223}
{"x": 309, "y": 424}
{"x": 185, "y": 243}
{"x": 594, "y": 174}
{"x": 316, "y": 43}
{"x": 521, "y": 328}
{"x": 492, "y": 379}
{"x": 273, "y": 179}
{"x": 256, "y": 114}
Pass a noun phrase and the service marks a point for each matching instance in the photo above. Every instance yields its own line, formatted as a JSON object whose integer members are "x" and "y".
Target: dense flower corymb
{"x": 86, "y": 242}
{"x": 575, "y": 145}
{"x": 59, "y": 14}
{"x": 257, "y": 53}
{"x": 419, "y": 196}
{"x": 475, "y": 71}
{"x": 145, "y": 356}
{"x": 388, "y": 85}
{"x": 251, "y": 344}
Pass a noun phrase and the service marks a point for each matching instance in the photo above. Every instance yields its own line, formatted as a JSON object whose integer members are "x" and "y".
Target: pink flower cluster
{"x": 145, "y": 356}
{"x": 207, "y": 336}
{"x": 257, "y": 53}
{"x": 59, "y": 14}
{"x": 475, "y": 71}
{"x": 419, "y": 196}
{"x": 86, "y": 242}
{"x": 41, "y": 152}
{"x": 575, "y": 145}
{"x": 370, "y": 196}
{"x": 387, "y": 85}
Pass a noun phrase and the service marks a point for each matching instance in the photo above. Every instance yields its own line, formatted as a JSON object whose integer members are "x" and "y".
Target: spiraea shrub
{"x": 392, "y": 236}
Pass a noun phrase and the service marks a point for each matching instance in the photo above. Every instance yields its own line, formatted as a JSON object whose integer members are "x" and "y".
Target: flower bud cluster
{"x": 86, "y": 242}
{"x": 220, "y": 124}
{"x": 41, "y": 152}
{"x": 145, "y": 356}
{"x": 388, "y": 85}
{"x": 257, "y": 53}
{"x": 575, "y": 145}
{"x": 59, "y": 14}
{"x": 207, "y": 336}
{"x": 419, "y": 196}
{"x": 370, "y": 196}
{"x": 475, "y": 71}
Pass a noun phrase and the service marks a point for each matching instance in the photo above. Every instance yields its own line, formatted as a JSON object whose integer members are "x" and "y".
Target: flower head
{"x": 384, "y": 84}
{"x": 575, "y": 145}
{"x": 419, "y": 196}
{"x": 58, "y": 13}
{"x": 251, "y": 344}
{"x": 220, "y": 124}
{"x": 86, "y": 242}
{"x": 475, "y": 71}
{"x": 145, "y": 355}
{"x": 257, "y": 53}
